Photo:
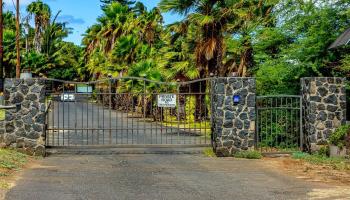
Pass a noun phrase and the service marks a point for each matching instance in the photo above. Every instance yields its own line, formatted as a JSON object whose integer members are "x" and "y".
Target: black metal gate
{"x": 127, "y": 112}
{"x": 279, "y": 123}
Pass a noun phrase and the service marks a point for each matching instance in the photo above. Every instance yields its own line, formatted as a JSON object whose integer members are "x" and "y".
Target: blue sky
{"x": 80, "y": 14}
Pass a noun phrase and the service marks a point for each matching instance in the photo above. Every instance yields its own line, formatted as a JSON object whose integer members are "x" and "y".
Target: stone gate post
{"x": 233, "y": 112}
{"x": 24, "y": 126}
{"x": 324, "y": 108}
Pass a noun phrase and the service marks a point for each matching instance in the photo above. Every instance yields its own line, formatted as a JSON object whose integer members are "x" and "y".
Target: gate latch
{"x": 17, "y": 107}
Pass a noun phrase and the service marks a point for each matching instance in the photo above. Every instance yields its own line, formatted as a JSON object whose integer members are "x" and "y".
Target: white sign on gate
{"x": 167, "y": 100}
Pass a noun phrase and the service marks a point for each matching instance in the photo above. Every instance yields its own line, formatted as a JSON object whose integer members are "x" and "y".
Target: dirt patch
{"x": 309, "y": 172}
{"x": 331, "y": 184}
{"x": 9, "y": 177}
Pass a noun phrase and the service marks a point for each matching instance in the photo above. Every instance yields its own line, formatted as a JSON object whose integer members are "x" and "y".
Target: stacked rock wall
{"x": 233, "y": 124}
{"x": 324, "y": 106}
{"x": 24, "y": 126}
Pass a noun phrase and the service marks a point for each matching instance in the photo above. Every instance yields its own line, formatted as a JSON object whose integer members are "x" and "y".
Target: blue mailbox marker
{"x": 236, "y": 99}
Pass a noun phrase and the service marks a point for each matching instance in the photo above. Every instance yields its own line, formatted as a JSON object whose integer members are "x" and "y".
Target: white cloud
{"x": 21, "y": 2}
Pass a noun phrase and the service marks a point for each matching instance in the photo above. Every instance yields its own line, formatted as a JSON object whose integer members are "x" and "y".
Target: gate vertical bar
{"x": 110, "y": 111}
{"x": 301, "y": 123}
{"x": 151, "y": 114}
{"x": 132, "y": 115}
{"x": 200, "y": 116}
{"x": 53, "y": 122}
{"x": 98, "y": 114}
{"x": 63, "y": 117}
{"x": 103, "y": 113}
{"x": 87, "y": 117}
{"x": 205, "y": 111}
{"x": 76, "y": 111}
{"x": 256, "y": 125}
{"x": 68, "y": 123}
{"x": 271, "y": 120}
{"x": 178, "y": 112}
{"x": 92, "y": 120}
{"x": 82, "y": 120}
{"x": 116, "y": 110}
{"x": 212, "y": 129}
{"x": 144, "y": 112}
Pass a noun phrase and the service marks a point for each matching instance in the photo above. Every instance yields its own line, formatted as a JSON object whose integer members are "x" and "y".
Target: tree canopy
{"x": 276, "y": 41}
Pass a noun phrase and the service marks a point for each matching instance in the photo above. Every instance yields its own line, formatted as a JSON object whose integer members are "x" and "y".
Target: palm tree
{"x": 211, "y": 17}
{"x": 121, "y": 38}
{"x": 42, "y": 15}
{"x": 177, "y": 54}
{"x": 101, "y": 38}
{"x": 53, "y": 33}
{"x": 123, "y": 2}
{"x": 217, "y": 19}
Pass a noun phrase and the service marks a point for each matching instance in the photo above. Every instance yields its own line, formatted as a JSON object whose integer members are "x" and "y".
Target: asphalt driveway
{"x": 154, "y": 176}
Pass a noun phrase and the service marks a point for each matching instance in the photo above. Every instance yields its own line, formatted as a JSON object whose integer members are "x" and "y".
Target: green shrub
{"x": 324, "y": 151}
{"x": 248, "y": 154}
{"x": 209, "y": 152}
{"x": 338, "y": 138}
{"x": 11, "y": 159}
{"x": 2, "y": 115}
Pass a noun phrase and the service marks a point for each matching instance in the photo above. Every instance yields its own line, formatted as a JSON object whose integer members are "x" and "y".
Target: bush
{"x": 248, "y": 154}
{"x": 209, "y": 152}
{"x": 2, "y": 115}
{"x": 338, "y": 138}
{"x": 324, "y": 151}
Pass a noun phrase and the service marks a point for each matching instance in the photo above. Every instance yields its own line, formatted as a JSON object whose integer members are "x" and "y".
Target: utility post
{"x": 1, "y": 48}
{"x": 18, "y": 65}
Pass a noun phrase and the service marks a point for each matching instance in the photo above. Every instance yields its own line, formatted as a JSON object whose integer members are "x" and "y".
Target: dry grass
{"x": 313, "y": 171}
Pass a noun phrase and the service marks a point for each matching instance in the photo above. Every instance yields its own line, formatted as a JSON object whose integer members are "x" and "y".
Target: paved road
{"x": 86, "y": 123}
{"x": 183, "y": 177}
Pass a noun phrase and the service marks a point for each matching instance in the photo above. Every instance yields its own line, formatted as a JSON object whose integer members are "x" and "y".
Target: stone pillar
{"x": 233, "y": 124}
{"x": 324, "y": 108}
{"x": 24, "y": 126}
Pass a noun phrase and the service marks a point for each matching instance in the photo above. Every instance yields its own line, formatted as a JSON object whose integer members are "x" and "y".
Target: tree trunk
{"x": 201, "y": 110}
{"x": 246, "y": 60}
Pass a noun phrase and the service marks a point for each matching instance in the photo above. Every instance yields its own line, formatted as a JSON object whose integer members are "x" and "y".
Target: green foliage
{"x": 338, "y": 138}
{"x": 9, "y": 59}
{"x": 316, "y": 159}
{"x": 248, "y": 154}
{"x": 297, "y": 45}
{"x": 277, "y": 41}
{"x": 2, "y": 115}
{"x": 124, "y": 41}
{"x": 324, "y": 151}
{"x": 10, "y": 159}
{"x": 209, "y": 152}
{"x": 43, "y": 50}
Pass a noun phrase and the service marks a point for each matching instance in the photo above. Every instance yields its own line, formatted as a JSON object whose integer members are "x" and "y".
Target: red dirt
{"x": 310, "y": 172}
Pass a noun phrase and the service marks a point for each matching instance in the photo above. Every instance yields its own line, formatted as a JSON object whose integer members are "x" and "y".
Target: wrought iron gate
{"x": 279, "y": 123}
{"x": 127, "y": 111}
